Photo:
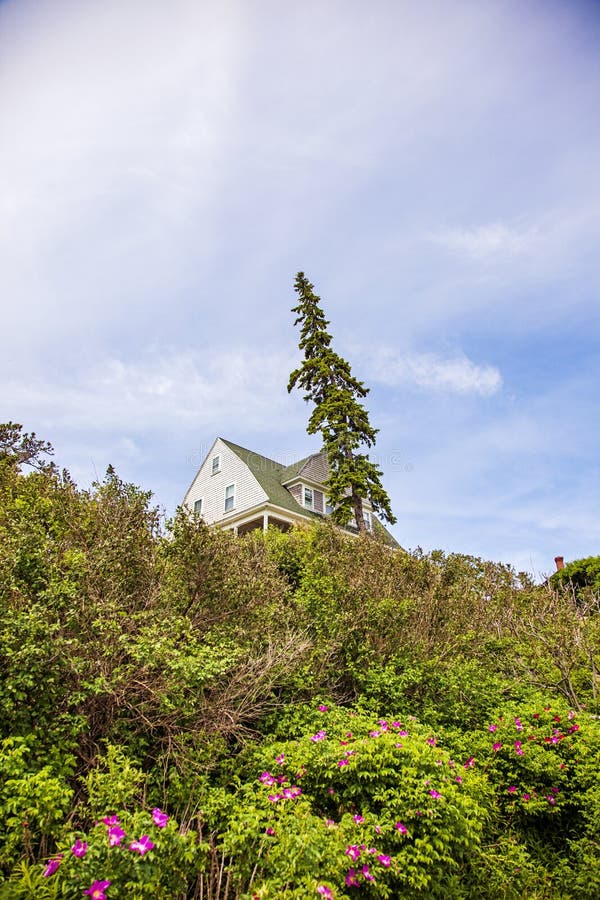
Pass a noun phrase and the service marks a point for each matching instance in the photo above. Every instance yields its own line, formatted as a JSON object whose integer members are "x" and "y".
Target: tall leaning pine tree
{"x": 338, "y": 416}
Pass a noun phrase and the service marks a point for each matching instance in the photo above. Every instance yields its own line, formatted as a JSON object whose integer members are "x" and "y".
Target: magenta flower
{"x": 142, "y": 846}
{"x": 497, "y": 746}
{"x": 403, "y": 733}
{"x": 322, "y": 708}
{"x": 274, "y": 798}
{"x": 351, "y": 879}
{"x": 378, "y": 829}
{"x": 330, "y": 790}
{"x": 435, "y": 794}
{"x": 270, "y": 831}
{"x": 342, "y": 762}
{"x": 571, "y": 714}
{"x": 470, "y": 762}
{"x": 159, "y": 818}
{"x": 526, "y": 797}
{"x": 319, "y": 736}
{"x": 374, "y": 734}
{"x": 398, "y": 745}
{"x": 384, "y": 725}
{"x": 385, "y": 860}
{"x": 358, "y": 819}
{"x": 431, "y": 742}
{"x": 330, "y": 823}
{"x": 115, "y": 836}
{"x": 111, "y": 820}
{"x": 79, "y": 848}
{"x": 353, "y": 852}
{"x": 458, "y": 779}
{"x": 280, "y": 759}
{"x": 52, "y": 865}
{"x": 518, "y": 725}
{"x": 551, "y": 800}
{"x": 512, "y": 789}
{"x": 266, "y": 778}
{"x": 492, "y": 728}
{"x": 396, "y": 724}
{"x": 401, "y": 827}
{"x": 324, "y": 891}
{"x": 367, "y": 874}
{"x": 97, "y": 889}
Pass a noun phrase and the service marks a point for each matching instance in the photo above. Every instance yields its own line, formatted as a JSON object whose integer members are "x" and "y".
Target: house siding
{"x": 316, "y": 468}
{"x": 211, "y": 488}
{"x": 296, "y": 492}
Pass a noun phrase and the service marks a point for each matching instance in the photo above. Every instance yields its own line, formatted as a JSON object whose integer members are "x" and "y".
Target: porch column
{"x": 265, "y": 521}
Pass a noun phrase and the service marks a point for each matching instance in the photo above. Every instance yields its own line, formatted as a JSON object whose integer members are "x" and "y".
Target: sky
{"x": 433, "y": 168}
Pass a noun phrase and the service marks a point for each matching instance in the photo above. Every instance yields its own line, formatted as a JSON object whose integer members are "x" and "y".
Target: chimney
{"x": 560, "y": 562}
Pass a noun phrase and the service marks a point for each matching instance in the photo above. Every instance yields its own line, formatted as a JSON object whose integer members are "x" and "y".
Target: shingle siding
{"x": 211, "y": 488}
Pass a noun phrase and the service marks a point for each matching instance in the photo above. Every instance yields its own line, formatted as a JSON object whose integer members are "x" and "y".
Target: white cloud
{"x": 489, "y": 241}
{"x": 216, "y": 390}
{"x": 456, "y": 375}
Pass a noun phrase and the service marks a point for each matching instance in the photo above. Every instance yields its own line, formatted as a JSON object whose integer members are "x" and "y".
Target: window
{"x": 229, "y": 497}
{"x": 198, "y": 507}
{"x": 328, "y": 508}
{"x": 367, "y": 518}
{"x": 216, "y": 465}
{"x": 308, "y": 498}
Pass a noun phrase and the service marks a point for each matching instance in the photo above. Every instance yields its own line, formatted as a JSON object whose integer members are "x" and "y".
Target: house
{"x": 240, "y": 490}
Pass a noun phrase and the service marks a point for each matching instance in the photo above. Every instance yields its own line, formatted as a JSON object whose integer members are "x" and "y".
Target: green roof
{"x": 269, "y": 475}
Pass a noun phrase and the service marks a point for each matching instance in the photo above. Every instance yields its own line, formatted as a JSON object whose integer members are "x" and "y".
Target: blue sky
{"x": 166, "y": 169}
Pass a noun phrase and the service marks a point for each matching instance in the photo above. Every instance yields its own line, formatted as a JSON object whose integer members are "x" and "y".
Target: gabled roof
{"x": 269, "y": 474}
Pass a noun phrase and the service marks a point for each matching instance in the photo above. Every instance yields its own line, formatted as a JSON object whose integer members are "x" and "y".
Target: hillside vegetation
{"x": 188, "y": 714}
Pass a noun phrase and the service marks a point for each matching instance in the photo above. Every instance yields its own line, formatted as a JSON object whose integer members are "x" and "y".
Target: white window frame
{"x": 368, "y": 519}
{"x": 306, "y": 505}
{"x": 231, "y": 497}
{"x": 328, "y": 507}
{"x": 216, "y": 464}
{"x": 198, "y": 509}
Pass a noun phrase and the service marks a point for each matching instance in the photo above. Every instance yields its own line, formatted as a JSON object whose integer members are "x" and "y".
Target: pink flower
{"x": 159, "y": 818}
{"x": 342, "y": 762}
{"x": 353, "y": 852}
{"x": 324, "y": 891}
{"x": 367, "y": 874}
{"x": 512, "y": 789}
{"x": 274, "y": 798}
{"x": 497, "y": 746}
{"x": 458, "y": 779}
{"x": 401, "y": 827}
{"x": 378, "y": 829}
{"x": 52, "y": 865}
{"x": 270, "y": 831}
{"x": 526, "y": 797}
{"x": 330, "y": 823}
{"x": 384, "y": 725}
{"x": 470, "y": 762}
{"x": 111, "y": 820}
{"x": 374, "y": 734}
{"x": 398, "y": 745}
{"x": 79, "y": 848}
{"x": 97, "y": 889}
{"x": 322, "y": 708}
{"x": 280, "y": 759}
{"x": 358, "y": 819}
{"x": 571, "y": 714}
{"x": 351, "y": 879}
{"x": 266, "y": 778}
{"x": 384, "y": 860}
{"x": 330, "y": 790}
{"x": 319, "y": 736}
{"x": 396, "y": 724}
{"x": 115, "y": 836}
{"x": 431, "y": 742}
{"x": 518, "y": 725}
{"x": 435, "y": 794}
{"x": 551, "y": 800}
{"x": 142, "y": 846}
{"x": 492, "y": 728}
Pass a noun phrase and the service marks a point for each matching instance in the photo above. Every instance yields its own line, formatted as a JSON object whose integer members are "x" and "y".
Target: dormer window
{"x": 216, "y": 465}
{"x": 308, "y": 498}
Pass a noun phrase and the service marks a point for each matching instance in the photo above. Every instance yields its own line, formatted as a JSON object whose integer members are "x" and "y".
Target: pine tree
{"x": 338, "y": 416}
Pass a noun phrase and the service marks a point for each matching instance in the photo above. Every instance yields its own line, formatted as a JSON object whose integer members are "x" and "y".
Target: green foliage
{"x": 170, "y": 665}
{"x": 578, "y": 575}
{"x": 339, "y": 416}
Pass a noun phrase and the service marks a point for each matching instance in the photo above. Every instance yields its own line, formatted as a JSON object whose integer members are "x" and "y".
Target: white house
{"x": 241, "y": 490}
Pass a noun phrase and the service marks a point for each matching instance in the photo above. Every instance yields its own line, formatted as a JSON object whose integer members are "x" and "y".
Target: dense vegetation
{"x": 187, "y": 714}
